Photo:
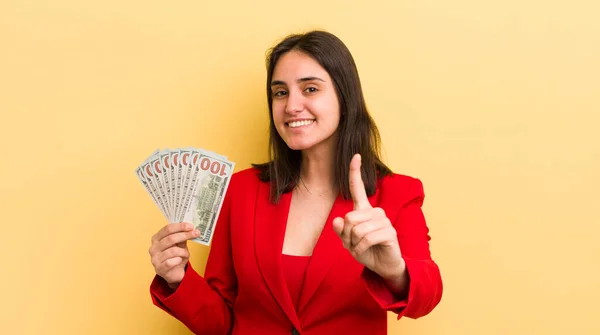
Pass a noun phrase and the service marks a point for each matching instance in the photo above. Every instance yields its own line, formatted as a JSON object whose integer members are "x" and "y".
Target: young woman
{"x": 323, "y": 238}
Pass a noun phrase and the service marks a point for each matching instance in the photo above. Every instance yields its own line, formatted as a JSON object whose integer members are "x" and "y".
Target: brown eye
{"x": 279, "y": 93}
{"x": 311, "y": 89}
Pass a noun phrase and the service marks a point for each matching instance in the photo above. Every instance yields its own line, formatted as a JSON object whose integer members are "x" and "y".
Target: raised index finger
{"x": 357, "y": 187}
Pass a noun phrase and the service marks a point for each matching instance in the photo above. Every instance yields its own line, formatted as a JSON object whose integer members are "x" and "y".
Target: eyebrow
{"x": 301, "y": 80}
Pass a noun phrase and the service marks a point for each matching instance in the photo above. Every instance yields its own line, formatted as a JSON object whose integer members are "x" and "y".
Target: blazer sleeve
{"x": 204, "y": 304}
{"x": 425, "y": 283}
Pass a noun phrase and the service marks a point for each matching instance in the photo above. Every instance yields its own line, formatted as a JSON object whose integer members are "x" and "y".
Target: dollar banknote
{"x": 187, "y": 185}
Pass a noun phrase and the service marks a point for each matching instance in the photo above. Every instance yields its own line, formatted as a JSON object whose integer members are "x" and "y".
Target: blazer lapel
{"x": 270, "y": 222}
{"x": 327, "y": 250}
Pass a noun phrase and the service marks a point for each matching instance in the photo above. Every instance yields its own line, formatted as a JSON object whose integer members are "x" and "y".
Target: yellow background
{"x": 494, "y": 105}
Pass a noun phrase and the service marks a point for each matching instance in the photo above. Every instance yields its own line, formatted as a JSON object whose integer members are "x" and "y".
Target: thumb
{"x": 357, "y": 187}
{"x": 338, "y": 226}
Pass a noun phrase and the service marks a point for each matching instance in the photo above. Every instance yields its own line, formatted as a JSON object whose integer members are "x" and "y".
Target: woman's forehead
{"x": 295, "y": 65}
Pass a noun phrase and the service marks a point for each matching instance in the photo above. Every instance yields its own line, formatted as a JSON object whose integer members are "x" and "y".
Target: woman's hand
{"x": 369, "y": 235}
{"x": 169, "y": 252}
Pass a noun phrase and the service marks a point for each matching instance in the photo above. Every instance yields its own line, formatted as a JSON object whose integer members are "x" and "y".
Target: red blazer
{"x": 244, "y": 290}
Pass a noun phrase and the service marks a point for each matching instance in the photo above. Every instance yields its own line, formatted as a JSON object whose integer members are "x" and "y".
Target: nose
{"x": 294, "y": 103}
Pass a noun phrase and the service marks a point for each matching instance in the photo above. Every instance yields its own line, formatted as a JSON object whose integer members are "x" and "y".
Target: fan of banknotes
{"x": 187, "y": 185}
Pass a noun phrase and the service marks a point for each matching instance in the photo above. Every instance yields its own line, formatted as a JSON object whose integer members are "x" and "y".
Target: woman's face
{"x": 306, "y": 111}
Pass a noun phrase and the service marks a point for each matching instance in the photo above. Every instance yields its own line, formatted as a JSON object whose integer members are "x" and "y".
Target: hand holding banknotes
{"x": 188, "y": 186}
{"x": 169, "y": 252}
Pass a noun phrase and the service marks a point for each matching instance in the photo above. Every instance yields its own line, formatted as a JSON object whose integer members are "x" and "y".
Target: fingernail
{"x": 196, "y": 232}
{"x": 189, "y": 226}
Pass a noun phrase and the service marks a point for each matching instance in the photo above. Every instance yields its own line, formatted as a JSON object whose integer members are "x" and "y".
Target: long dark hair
{"x": 357, "y": 130}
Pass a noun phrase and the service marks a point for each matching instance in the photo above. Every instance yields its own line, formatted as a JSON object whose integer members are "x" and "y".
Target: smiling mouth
{"x": 297, "y": 124}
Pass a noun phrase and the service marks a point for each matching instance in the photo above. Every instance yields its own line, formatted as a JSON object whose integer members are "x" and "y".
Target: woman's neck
{"x": 317, "y": 171}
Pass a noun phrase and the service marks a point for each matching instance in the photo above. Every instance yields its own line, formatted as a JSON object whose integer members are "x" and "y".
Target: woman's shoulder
{"x": 244, "y": 178}
{"x": 400, "y": 185}
{"x": 248, "y": 173}
{"x": 398, "y": 178}
{"x": 242, "y": 182}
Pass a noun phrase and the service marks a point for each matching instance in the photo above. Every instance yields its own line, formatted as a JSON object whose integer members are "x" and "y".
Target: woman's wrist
{"x": 398, "y": 281}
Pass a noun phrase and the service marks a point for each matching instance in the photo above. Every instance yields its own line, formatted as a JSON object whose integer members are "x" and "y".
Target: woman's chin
{"x": 299, "y": 145}
{"x": 308, "y": 143}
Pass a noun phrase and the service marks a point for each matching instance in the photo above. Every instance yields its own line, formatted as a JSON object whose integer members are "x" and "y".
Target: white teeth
{"x": 297, "y": 124}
